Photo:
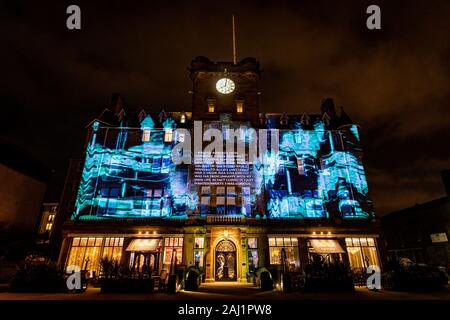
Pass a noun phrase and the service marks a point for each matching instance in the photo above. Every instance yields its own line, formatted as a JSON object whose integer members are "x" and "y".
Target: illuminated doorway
{"x": 225, "y": 261}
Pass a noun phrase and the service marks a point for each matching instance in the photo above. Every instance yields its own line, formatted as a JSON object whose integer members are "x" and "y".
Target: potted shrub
{"x": 265, "y": 279}
{"x": 117, "y": 279}
{"x": 328, "y": 276}
{"x": 192, "y": 279}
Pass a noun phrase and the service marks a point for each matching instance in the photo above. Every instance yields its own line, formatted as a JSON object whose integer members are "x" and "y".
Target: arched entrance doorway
{"x": 225, "y": 261}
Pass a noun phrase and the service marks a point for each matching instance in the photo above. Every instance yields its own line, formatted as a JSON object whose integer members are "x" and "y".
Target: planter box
{"x": 38, "y": 285}
{"x": 326, "y": 284}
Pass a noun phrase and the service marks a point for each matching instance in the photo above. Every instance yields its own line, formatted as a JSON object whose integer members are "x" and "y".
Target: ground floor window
{"x": 113, "y": 248}
{"x": 199, "y": 246}
{"x": 85, "y": 253}
{"x": 253, "y": 258}
{"x": 171, "y": 245}
{"x": 290, "y": 246}
{"x": 362, "y": 252}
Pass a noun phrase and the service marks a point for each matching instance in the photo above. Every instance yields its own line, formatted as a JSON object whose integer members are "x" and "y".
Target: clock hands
{"x": 225, "y": 85}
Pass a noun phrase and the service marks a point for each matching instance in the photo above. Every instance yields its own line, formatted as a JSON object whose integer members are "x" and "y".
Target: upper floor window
{"x": 146, "y": 135}
{"x": 183, "y": 118}
{"x": 168, "y": 135}
{"x": 239, "y": 106}
{"x": 211, "y": 106}
{"x": 300, "y": 166}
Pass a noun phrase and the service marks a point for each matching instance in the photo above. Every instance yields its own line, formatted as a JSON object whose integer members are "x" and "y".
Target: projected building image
{"x": 307, "y": 197}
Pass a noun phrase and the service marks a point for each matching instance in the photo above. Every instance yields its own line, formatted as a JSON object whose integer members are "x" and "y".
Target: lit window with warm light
{"x": 362, "y": 253}
{"x": 300, "y": 166}
{"x": 239, "y": 106}
{"x": 199, "y": 245}
{"x": 168, "y": 135}
{"x": 85, "y": 253}
{"x": 173, "y": 249}
{"x": 146, "y": 135}
{"x": 290, "y": 246}
{"x": 113, "y": 249}
{"x": 211, "y": 106}
{"x": 253, "y": 255}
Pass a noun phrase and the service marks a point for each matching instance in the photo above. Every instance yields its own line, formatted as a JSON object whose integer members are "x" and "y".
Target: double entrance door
{"x": 145, "y": 262}
{"x": 225, "y": 261}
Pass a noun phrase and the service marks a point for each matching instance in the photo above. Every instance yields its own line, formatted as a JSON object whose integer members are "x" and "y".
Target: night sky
{"x": 394, "y": 82}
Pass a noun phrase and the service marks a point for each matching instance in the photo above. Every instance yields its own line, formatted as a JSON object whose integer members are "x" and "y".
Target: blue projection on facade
{"x": 129, "y": 173}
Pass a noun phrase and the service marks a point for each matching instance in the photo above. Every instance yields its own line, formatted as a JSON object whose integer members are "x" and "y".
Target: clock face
{"x": 225, "y": 86}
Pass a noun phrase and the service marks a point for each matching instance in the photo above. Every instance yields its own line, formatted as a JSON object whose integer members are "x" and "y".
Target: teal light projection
{"x": 317, "y": 173}
{"x": 128, "y": 173}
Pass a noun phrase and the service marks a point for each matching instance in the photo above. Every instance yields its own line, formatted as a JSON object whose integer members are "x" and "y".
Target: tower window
{"x": 239, "y": 106}
{"x": 146, "y": 135}
{"x": 168, "y": 135}
{"x": 183, "y": 118}
{"x": 211, "y": 106}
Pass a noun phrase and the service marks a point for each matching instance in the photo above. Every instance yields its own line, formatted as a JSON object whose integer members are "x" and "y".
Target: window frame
{"x": 171, "y": 243}
{"x": 239, "y": 106}
{"x": 355, "y": 243}
{"x": 290, "y": 244}
{"x": 146, "y": 133}
{"x": 168, "y": 135}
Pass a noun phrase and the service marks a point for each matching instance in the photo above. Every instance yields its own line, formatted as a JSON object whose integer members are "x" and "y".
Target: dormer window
{"x": 211, "y": 105}
{"x": 168, "y": 135}
{"x": 239, "y": 106}
{"x": 146, "y": 135}
{"x": 304, "y": 119}
{"x": 284, "y": 120}
{"x": 183, "y": 118}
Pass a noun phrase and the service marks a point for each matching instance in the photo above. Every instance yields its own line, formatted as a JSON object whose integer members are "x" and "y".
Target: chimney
{"x": 445, "y": 175}
{"x": 117, "y": 103}
{"x": 328, "y": 107}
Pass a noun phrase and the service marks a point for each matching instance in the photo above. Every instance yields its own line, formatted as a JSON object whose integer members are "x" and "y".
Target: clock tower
{"x": 225, "y": 88}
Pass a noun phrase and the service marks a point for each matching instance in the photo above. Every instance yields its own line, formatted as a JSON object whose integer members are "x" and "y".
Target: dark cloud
{"x": 394, "y": 82}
